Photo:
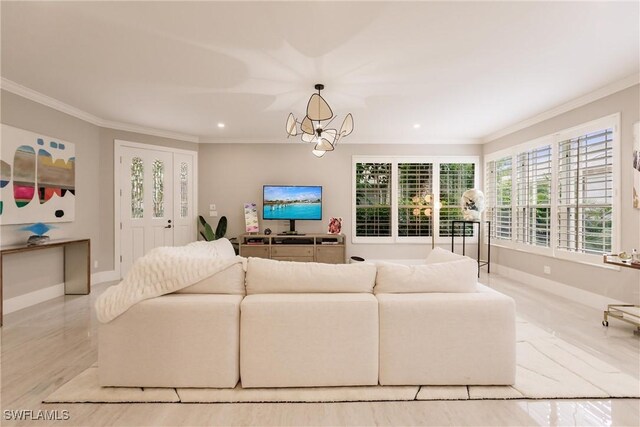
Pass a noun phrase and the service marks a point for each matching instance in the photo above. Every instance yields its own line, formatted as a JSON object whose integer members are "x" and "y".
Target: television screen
{"x": 292, "y": 202}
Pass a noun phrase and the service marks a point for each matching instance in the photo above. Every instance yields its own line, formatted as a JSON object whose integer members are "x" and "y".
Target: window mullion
{"x": 553, "y": 199}
{"x": 514, "y": 197}
{"x": 436, "y": 200}
{"x": 395, "y": 192}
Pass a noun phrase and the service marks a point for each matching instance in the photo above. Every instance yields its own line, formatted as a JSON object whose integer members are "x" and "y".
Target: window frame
{"x": 610, "y": 121}
{"x": 395, "y": 160}
{"x": 491, "y": 197}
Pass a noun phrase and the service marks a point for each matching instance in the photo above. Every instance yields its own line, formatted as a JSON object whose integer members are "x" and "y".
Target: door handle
{"x": 168, "y": 226}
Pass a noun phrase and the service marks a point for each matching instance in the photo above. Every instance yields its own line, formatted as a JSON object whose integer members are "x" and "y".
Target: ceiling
{"x": 460, "y": 70}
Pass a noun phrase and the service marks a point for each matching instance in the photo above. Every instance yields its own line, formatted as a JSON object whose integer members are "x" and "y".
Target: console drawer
{"x": 292, "y": 251}
{"x": 330, "y": 254}
{"x": 294, "y": 258}
{"x": 257, "y": 251}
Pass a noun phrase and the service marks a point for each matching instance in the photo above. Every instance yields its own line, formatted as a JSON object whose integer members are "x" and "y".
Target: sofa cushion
{"x": 447, "y": 339}
{"x": 309, "y": 340}
{"x": 228, "y": 281}
{"x": 173, "y": 341}
{"x": 453, "y": 276}
{"x": 265, "y": 276}
{"x": 438, "y": 255}
{"x": 221, "y": 248}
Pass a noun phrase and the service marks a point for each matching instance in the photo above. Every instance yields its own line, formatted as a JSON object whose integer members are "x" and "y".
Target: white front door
{"x": 156, "y": 201}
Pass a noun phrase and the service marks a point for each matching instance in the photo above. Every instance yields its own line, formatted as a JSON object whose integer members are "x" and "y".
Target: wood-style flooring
{"x": 44, "y": 346}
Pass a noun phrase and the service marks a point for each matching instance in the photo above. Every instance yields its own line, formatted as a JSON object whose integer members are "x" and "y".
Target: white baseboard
{"x": 104, "y": 276}
{"x": 32, "y": 298}
{"x": 590, "y": 299}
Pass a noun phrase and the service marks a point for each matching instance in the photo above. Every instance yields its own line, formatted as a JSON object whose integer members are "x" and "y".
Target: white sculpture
{"x": 472, "y": 203}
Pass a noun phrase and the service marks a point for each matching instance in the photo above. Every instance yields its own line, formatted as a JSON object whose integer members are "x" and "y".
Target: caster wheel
{"x": 605, "y": 323}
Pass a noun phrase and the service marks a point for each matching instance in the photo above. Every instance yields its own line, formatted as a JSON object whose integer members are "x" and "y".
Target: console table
{"x": 464, "y": 241}
{"x": 327, "y": 248}
{"x": 629, "y": 313}
{"x": 77, "y": 263}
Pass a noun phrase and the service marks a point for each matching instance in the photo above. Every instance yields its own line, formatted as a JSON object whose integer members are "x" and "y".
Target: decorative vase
{"x": 472, "y": 203}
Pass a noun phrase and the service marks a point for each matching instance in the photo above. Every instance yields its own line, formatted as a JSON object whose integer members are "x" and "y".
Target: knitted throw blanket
{"x": 162, "y": 271}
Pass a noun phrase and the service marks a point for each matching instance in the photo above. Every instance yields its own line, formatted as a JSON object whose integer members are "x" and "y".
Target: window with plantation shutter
{"x": 455, "y": 179}
{"x": 585, "y": 193}
{"x": 498, "y": 197}
{"x": 564, "y": 202}
{"x": 409, "y": 199}
{"x": 533, "y": 197}
{"x": 415, "y": 199}
{"x": 373, "y": 199}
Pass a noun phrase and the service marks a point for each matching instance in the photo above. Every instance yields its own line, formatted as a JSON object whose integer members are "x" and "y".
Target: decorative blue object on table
{"x": 38, "y": 229}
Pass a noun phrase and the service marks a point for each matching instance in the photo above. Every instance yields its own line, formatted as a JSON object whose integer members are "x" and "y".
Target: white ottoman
{"x": 309, "y": 340}
{"x": 447, "y": 338}
{"x": 177, "y": 340}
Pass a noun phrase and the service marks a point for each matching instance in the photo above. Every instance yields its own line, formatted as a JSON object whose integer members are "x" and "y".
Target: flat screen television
{"x": 292, "y": 202}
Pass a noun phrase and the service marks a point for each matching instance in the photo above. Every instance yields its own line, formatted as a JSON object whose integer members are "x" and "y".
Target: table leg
{"x": 479, "y": 246}
{"x": 77, "y": 268}
{"x": 489, "y": 248}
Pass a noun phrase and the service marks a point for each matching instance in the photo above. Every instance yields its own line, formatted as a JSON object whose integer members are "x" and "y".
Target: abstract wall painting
{"x": 37, "y": 178}
{"x": 636, "y": 165}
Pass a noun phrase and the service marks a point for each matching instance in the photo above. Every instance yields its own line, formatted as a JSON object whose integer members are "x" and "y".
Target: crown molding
{"x": 602, "y": 92}
{"x": 347, "y": 140}
{"x": 25, "y": 92}
{"x": 40, "y": 98}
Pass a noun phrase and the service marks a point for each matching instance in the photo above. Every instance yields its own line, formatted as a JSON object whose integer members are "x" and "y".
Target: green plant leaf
{"x": 221, "y": 229}
{"x": 207, "y": 233}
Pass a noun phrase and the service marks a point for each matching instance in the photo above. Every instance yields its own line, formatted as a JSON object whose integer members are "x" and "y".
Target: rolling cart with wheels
{"x": 629, "y": 313}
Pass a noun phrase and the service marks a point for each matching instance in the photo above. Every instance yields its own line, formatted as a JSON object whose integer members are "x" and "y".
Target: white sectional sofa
{"x": 309, "y": 324}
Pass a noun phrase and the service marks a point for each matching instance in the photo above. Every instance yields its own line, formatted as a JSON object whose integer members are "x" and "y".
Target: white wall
{"x": 233, "y": 174}
{"x": 622, "y": 285}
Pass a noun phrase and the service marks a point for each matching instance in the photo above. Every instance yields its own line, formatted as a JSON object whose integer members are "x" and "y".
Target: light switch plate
{"x": 213, "y": 213}
{"x": 212, "y": 207}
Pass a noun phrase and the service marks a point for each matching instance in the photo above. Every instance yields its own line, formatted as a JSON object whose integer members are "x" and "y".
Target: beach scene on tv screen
{"x": 292, "y": 203}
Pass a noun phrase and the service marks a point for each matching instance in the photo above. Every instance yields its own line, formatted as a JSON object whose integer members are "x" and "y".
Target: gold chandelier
{"x": 313, "y": 127}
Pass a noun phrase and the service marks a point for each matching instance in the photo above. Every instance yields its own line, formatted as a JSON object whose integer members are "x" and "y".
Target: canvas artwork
{"x": 251, "y": 218}
{"x": 636, "y": 165}
{"x": 335, "y": 225}
{"x": 37, "y": 178}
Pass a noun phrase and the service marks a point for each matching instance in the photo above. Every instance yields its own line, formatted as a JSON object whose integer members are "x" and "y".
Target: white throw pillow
{"x": 454, "y": 276}
{"x": 438, "y": 255}
{"x": 228, "y": 281}
{"x": 265, "y": 276}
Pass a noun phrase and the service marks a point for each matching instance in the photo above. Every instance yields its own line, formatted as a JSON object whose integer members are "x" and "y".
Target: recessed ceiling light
{"x": 416, "y": 126}
{"x": 220, "y": 125}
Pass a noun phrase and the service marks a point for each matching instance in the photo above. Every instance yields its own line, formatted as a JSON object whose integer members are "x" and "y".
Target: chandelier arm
{"x": 332, "y": 119}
